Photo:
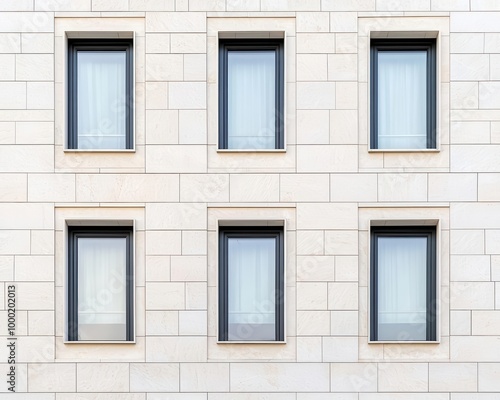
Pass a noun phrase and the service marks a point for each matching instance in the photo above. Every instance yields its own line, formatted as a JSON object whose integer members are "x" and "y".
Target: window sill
{"x": 404, "y": 150}
{"x": 251, "y": 342}
{"x": 99, "y": 150}
{"x": 404, "y": 342}
{"x": 251, "y": 150}
{"x": 99, "y": 342}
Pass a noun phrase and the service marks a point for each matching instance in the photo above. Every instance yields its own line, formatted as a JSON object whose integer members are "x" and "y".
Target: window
{"x": 100, "y": 94}
{"x": 403, "y": 94}
{"x": 403, "y": 284}
{"x": 251, "y": 284}
{"x": 100, "y": 284}
{"x": 251, "y": 94}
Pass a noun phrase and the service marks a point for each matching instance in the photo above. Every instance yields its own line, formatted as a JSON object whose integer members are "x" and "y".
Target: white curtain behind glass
{"x": 402, "y": 112}
{"x": 251, "y": 288}
{"x": 402, "y": 287}
{"x": 251, "y": 99}
{"x": 101, "y": 100}
{"x": 102, "y": 288}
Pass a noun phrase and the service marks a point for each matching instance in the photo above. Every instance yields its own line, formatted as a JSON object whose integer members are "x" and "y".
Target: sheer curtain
{"x": 102, "y": 288}
{"x": 251, "y": 99}
{"x": 251, "y": 288}
{"x": 402, "y": 288}
{"x": 101, "y": 100}
{"x": 402, "y": 98}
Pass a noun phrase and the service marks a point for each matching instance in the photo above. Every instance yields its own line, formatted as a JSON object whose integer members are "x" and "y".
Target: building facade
{"x": 250, "y": 199}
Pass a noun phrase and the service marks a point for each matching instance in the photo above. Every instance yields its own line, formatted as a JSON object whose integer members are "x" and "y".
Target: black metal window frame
{"x": 428, "y": 45}
{"x": 428, "y": 232}
{"x": 227, "y": 45}
{"x": 76, "y": 232}
{"x": 252, "y": 232}
{"x": 103, "y": 45}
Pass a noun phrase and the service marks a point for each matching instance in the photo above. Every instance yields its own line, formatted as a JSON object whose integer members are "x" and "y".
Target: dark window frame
{"x": 431, "y": 274}
{"x": 104, "y": 45}
{"x": 227, "y": 45}
{"x": 75, "y": 232}
{"x": 252, "y": 232}
{"x": 428, "y": 45}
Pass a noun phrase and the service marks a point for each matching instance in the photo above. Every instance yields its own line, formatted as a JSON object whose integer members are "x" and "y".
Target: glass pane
{"x": 251, "y": 99}
{"x": 251, "y": 288}
{"x": 101, "y": 100}
{"x": 402, "y": 99}
{"x": 102, "y": 272}
{"x": 402, "y": 276}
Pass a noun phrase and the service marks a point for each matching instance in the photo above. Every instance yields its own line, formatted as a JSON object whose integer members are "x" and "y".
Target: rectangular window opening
{"x": 251, "y": 284}
{"x": 251, "y": 94}
{"x": 403, "y": 94}
{"x": 100, "y": 94}
{"x": 100, "y": 284}
{"x": 403, "y": 302}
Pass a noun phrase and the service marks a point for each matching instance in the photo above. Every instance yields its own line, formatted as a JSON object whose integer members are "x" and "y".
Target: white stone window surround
{"x": 408, "y": 215}
{"x": 256, "y": 224}
{"x": 98, "y": 28}
{"x": 254, "y": 28}
{"x": 67, "y": 216}
{"x": 250, "y": 215}
{"x": 403, "y": 27}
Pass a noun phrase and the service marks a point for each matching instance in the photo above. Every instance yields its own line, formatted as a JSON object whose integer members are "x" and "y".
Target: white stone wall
{"x": 176, "y": 186}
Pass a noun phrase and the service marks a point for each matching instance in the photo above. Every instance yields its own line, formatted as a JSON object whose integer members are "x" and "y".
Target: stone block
{"x": 192, "y": 323}
{"x": 204, "y": 188}
{"x": 103, "y": 377}
{"x": 472, "y": 295}
{"x": 341, "y": 242}
{"x": 452, "y": 187}
{"x": 402, "y": 5}
{"x": 207, "y": 377}
{"x": 488, "y": 377}
{"x": 349, "y": 377}
{"x": 403, "y": 377}
{"x": 342, "y": 296}
{"x": 176, "y": 158}
{"x": 55, "y": 377}
{"x": 253, "y": 188}
{"x": 304, "y": 187}
{"x": 187, "y": 95}
{"x": 470, "y": 268}
{"x": 327, "y": 216}
{"x": 353, "y": 187}
{"x": 332, "y": 158}
{"x": 485, "y": 323}
{"x": 283, "y": 377}
{"x": 342, "y": 67}
{"x": 310, "y": 242}
{"x": 340, "y": 349}
{"x": 12, "y": 95}
{"x": 343, "y": 127}
{"x": 185, "y": 349}
{"x": 162, "y": 323}
{"x": 446, "y": 377}
{"x": 165, "y": 296}
{"x": 182, "y": 22}
{"x": 315, "y": 95}
{"x": 313, "y": 323}
{"x": 154, "y": 377}
{"x": 309, "y": 349}
{"x": 34, "y": 67}
{"x": 34, "y": 268}
{"x": 192, "y": 127}
{"x": 312, "y": 296}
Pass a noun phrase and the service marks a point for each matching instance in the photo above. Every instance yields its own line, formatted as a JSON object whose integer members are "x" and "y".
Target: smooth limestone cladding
{"x": 175, "y": 187}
